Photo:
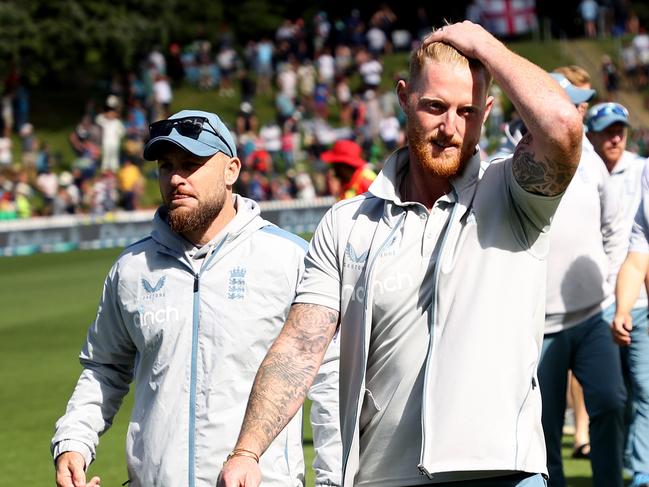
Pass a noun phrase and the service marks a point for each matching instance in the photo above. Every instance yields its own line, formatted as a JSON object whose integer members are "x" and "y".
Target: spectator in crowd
{"x": 162, "y": 96}
{"x": 227, "y": 60}
{"x": 629, "y": 63}
{"x": 47, "y": 184}
{"x": 376, "y": 40}
{"x": 158, "y": 61}
{"x": 608, "y": 125}
{"x": 211, "y": 241}
{"x": 264, "y": 66}
{"x": 304, "y": 187}
{"x": 350, "y": 169}
{"x": 246, "y": 119}
{"x": 640, "y": 43}
{"x": 22, "y": 199}
{"x": 130, "y": 185}
{"x": 29, "y": 147}
{"x": 69, "y": 193}
{"x": 112, "y": 131}
{"x": 610, "y": 77}
{"x": 589, "y": 10}
{"x": 86, "y": 139}
{"x": 175, "y": 68}
{"x": 586, "y": 248}
{"x": 6, "y": 157}
{"x": 577, "y": 77}
{"x": 103, "y": 193}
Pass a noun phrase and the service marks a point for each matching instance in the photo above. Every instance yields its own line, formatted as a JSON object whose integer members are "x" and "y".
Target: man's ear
{"x": 231, "y": 171}
{"x": 488, "y": 106}
{"x": 402, "y": 94}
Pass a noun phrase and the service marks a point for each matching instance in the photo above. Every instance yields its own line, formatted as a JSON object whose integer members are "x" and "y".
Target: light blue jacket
{"x": 191, "y": 327}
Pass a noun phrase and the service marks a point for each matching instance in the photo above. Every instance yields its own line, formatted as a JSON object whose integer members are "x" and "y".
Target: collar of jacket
{"x": 246, "y": 220}
{"x": 386, "y": 183}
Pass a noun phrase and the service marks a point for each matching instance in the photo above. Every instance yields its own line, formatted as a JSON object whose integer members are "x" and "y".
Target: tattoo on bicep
{"x": 539, "y": 176}
{"x": 287, "y": 372}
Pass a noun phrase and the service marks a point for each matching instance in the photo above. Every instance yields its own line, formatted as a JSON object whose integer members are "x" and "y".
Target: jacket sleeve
{"x": 107, "y": 358}
{"x": 325, "y": 422}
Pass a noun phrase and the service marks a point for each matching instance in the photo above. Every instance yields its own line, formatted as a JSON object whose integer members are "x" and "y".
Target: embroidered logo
{"x": 354, "y": 260}
{"x": 155, "y": 291}
{"x": 237, "y": 283}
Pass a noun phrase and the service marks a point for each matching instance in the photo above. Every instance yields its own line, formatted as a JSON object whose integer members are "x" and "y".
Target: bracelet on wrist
{"x": 242, "y": 452}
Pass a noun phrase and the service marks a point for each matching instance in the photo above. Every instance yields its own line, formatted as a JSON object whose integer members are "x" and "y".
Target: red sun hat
{"x": 346, "y": 152}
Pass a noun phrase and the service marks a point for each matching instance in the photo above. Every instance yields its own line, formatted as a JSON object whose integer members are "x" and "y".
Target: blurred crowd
{"x": 316, "y": 81}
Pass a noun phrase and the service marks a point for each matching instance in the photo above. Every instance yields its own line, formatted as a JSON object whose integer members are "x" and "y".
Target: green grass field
{"x": 47, "y": 302}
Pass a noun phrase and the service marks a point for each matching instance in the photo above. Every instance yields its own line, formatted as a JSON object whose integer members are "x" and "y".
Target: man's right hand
{"x": 70, "y": 471}
{"x": 621, "y": 329}
{"x": 240, "y": 472}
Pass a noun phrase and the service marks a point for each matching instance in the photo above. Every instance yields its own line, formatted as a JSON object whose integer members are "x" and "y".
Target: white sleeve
{"x": 640, "y": 231}
{"x": 107, "y": 357}
{"x": 321, "y": 282}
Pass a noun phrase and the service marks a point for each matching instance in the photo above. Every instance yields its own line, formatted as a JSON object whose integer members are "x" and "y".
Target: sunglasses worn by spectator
{"x": 608, "y": 109}
{"x": 187, "y": 127}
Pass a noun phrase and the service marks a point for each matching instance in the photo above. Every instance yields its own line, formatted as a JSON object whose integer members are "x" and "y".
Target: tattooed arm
{"x": 546, "y": 159}
{"x": 539, "y": 174}
{"x": 280, "y": 387}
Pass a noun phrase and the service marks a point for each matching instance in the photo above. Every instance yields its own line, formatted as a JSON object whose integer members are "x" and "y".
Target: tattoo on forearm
{"x": 287, "y": 372}
{"x": 544, "y": 177}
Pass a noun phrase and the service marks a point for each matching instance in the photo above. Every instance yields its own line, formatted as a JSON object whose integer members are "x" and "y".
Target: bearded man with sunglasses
{"x": 608, "y": 129}
{"x": 188, "y": 313}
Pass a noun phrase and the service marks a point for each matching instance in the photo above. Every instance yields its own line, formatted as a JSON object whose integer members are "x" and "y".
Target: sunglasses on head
{"x": 608, "y": 109}
{"x": 187, "y": 127}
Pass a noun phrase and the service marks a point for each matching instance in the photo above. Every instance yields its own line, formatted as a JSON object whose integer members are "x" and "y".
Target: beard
{"x": 446, "y": 165}
{"x": 183, "y": 220}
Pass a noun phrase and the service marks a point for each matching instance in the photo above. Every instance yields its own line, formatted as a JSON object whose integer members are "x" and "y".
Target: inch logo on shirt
{"x": 153, "y": 291}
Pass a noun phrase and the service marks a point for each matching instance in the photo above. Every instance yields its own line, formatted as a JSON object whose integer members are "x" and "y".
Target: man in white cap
{"x": 188, "y": 313}
{"x": 608, "y": 127}
{"x": 587, "y": 244}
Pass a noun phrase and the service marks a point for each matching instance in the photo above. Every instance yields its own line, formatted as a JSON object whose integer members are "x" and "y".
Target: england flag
{"x": 508, "y": 18}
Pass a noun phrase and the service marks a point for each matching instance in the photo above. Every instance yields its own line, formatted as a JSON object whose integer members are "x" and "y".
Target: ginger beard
{"x": 446, "y": 164}
{"x": 182, "y": 219}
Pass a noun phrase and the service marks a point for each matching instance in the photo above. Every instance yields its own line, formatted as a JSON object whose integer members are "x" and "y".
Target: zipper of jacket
{"x": 533, "y": 385}
{"x": 194, "y": 363}
{"x": 370, "y": 271}
{"x": 432, "y": 321}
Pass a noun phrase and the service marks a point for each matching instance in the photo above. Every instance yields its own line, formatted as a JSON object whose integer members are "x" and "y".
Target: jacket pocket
{"x": 368, "y": 410}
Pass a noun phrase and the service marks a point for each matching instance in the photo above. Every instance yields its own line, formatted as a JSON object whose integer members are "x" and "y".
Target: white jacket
{"x": 191, "y": 327}
{"x": 487, "y": 319}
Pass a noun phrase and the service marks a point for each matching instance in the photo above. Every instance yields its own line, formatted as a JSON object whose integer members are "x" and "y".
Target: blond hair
{"x": 444, "y": 54}
{"x": 577, "y": 75}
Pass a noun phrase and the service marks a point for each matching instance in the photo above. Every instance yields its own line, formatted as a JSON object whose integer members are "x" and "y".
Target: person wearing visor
{"x": 349, "y": 168}
{"x": 586, "y": 248}
{"x": 187, "y": 314}
{"x": 608, "y": 125}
